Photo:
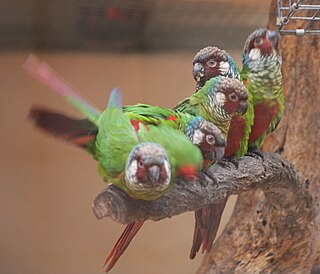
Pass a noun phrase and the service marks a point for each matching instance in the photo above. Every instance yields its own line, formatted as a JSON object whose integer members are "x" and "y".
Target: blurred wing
{"x": 41, "y": 71}
{"x": 78, "y": 132}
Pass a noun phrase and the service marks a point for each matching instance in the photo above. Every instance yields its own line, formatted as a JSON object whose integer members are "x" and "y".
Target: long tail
{"x": 41, "y": 71}
{"x": 77, "y": 132}
{"x": 122, "y": 243}
{"x": 207, "y": 221}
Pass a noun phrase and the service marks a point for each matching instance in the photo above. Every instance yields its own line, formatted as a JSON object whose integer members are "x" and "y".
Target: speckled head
{"x": 210, "y": 62}
{"x": 262, "y": 42}
{"x": 209, "y": 138}
{"x": 147, "y": 173}
{"x": 228, "y": 95}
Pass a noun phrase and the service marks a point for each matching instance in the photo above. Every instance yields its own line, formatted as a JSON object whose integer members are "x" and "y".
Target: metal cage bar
{"x": 289, "y": 11}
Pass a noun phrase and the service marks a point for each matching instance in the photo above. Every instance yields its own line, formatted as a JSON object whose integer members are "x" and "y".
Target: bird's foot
{"x": 226, "y": 162}
{"x": 255, "y": 153}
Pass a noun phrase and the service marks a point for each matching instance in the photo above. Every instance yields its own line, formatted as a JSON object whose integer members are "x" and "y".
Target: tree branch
{"x": 282, "y": 184}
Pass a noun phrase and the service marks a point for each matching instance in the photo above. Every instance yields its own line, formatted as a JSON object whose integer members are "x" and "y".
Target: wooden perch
{"x": 283, "y": 185}
{"x": 275, "y": 228}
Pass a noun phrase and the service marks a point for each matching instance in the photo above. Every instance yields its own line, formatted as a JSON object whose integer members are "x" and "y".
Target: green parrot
{"x": 134, "y": 161}
{"x": 85, "y": 133}
{"x": 211, "y": 62}
{"x": 218, "y": 101}
{"x": 261, "y": 73}
{"x": 208, "y": 63}
{"x": 211, "y": 142}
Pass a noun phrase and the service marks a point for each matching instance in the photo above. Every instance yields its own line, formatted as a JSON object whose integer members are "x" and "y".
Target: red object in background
{"x": 125, "y": 15}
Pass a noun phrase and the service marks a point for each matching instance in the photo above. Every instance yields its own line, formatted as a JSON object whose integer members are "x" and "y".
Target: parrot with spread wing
{"x": 261, "y": 73}
{"x": 208, "y": 63}
{"x": 134, "y": 161}
{"x": 91, "y": 134}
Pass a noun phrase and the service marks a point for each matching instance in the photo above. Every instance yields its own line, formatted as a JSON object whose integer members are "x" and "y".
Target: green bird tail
{"x": 41, "y": 71}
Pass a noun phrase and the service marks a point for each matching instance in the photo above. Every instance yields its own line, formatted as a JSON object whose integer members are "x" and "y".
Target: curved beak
{"x": 219, "y": 154}
{"x": 274, "y": 37}
{"x": 154, "y": 174}
{"x": 243, "y": 107}
{"x": 198, "y": 71}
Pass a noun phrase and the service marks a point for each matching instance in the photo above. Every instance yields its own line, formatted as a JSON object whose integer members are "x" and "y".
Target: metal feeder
{"x": 289, "y": 11}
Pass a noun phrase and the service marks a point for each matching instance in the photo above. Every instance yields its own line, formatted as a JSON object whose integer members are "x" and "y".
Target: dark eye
{"x": 210, "y": 139}
{"x": 258, "y": 41}
{"x": 233, "y": 97}
{"x": 140, "y": 164}
{"x": 211, "y": 63}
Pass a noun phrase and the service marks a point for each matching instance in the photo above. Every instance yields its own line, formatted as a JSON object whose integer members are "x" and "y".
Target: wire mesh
{"x": 125, "y": 25}
{"x": 298, "y": 18}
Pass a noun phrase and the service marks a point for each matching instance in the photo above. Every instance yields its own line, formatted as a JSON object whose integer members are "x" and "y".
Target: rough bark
{"x": 211, "y": 186}
{"x": 275, "y": 227}
{"x": 260, "y": 238}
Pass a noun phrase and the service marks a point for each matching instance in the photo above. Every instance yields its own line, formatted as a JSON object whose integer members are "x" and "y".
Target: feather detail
{"x": 206, "y": 227}
{"x": 41, "y": 71}
{"x": 123, "y": 242}
{"x": 115, "y": 99}
{"x": 78, "y": 132}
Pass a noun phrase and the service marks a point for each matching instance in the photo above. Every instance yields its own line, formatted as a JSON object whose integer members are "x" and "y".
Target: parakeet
{"x": 143, "y": 163}
{"x": 217, "y": 101}
{"x": 211, "y": 62}
{"x": 211, "y": 142}
{"x": 261, "y": 73}
{"x": 237, "y": 128}
{"x": 84, "y": 133}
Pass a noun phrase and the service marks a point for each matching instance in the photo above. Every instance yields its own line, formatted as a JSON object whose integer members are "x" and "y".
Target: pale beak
{"x": 198, "y": 71}
{"x": 274, "y": 37}
{"x": 154, "y": 174}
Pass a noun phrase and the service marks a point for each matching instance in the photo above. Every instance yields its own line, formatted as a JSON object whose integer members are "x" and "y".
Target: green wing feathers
{"x": 179, "y": 149}
{"x": 116, "y": 136}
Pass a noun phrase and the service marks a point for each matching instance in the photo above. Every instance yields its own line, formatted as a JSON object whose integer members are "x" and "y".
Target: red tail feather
{"x": 78, "y": 132}
{"x": 122, "y": 243}
{"x": 206, "y": 227}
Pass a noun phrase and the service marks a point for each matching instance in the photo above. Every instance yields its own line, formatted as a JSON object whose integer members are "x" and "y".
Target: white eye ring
{"x": 233, "y": 97}
{"x": 140, "y": 164}
{"x": 211, "y": 63}
{"x": 258, "y": 41}
{"x": 210, "y": 139}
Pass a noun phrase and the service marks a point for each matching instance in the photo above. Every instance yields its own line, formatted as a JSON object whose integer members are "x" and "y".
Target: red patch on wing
{"x": 236, "y": 133}
{"x": 263, "y": 115}
{"x": 136, "y": 125}
{"x": 187, "y": 170}
{"x": 172, "y": 118}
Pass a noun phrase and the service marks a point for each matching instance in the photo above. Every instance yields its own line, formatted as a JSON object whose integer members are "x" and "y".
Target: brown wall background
{"x": 47, "y": 187}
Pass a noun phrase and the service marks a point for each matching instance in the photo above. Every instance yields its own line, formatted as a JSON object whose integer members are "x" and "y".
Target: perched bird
{"x": 91, "y": 134}
{"x": 211, "y": 142}
{"x": 236, "y": 127}
{"x": 261, "y": 73}
{"x": 134, "y": 161}
{"x": 217, "y": 101}
{"x": 211, "y": 62}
